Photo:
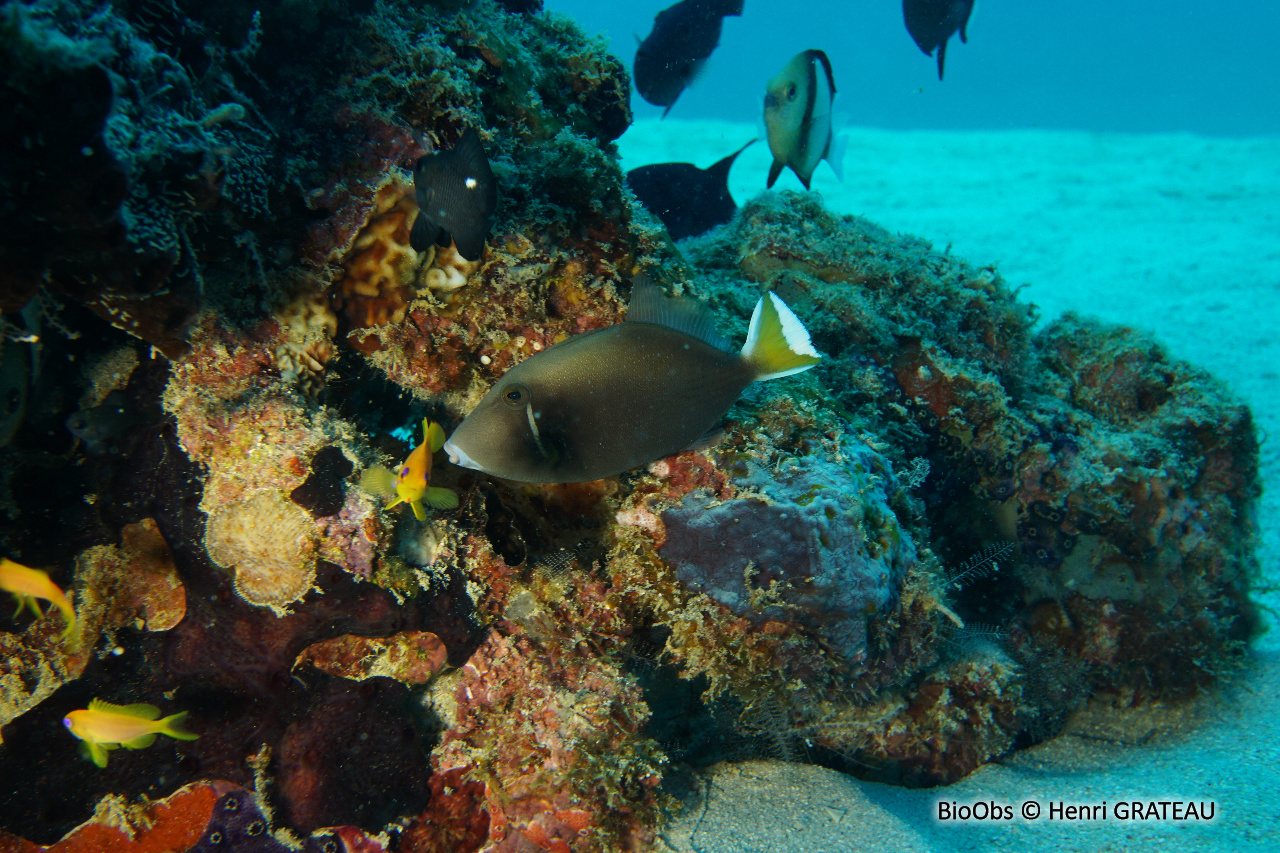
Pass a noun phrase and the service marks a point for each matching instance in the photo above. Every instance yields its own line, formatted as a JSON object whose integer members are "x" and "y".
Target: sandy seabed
{"x": 1178, "y": 235}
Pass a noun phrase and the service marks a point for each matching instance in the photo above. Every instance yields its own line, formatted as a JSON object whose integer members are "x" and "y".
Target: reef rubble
{"x": 928, "y": 551}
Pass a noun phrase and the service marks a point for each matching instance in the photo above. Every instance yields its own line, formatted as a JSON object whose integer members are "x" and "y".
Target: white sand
{"x": 1222, "y": 749}
{"x": 1175, "y": 234}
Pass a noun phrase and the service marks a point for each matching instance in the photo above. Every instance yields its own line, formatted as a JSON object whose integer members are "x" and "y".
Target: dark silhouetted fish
{"x": 671, "y": 56}
{"x": 107, "y": 427}
{"x": 932, "y": 22}
{"x": 797, "y": 115}
{"x": 457, "y": 195}
{"x": 614, "y": 399}
{"x": 688, "y": 200}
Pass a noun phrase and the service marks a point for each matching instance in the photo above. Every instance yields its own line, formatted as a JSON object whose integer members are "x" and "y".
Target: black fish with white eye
{"x": 672, "y": 55}
{"x": 457, "y": 196}
{"x": 933, "y": 22}
{"x": 689, "y": 201}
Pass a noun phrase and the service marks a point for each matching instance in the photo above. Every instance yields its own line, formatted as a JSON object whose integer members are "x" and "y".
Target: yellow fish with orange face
{"x": 103, "y": 727}
{"x": 29, "y": 584}
{"x": 411, "y": 484}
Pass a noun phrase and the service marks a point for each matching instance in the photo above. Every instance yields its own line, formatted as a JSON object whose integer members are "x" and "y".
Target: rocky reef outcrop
{"x": 926, "y": 552}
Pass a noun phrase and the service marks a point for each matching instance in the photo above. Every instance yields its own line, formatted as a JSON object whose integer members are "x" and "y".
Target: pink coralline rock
{"x": 351, "y": 538}
{"x": 410, "y": 657}
{"x": 554, "y": 737}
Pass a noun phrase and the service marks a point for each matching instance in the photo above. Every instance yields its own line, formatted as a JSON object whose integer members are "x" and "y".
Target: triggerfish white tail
{"x": 103, "y": 727}
{"x": 29, "y": 584}
{"x": 614, "y": 399}
{"x": 411, "y": 484}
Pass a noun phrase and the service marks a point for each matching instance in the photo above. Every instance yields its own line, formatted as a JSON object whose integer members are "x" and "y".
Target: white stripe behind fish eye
{"x": 533, "y": 426}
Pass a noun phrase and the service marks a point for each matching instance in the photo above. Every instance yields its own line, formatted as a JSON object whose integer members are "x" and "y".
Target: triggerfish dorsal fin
{"x": 432, "y": 435}
{"x": 777, "y": 342}
{"x": 650, "y": 305}
{"x": 141, "y": 710}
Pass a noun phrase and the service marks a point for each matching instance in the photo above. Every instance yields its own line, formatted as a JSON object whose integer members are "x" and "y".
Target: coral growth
{"x": 518, "y": 675}
{"x": 412, "y": 657}
{"x": 173, "y": 823}
{"x": 522, "y": 719}
{"x": 270, "y": 544}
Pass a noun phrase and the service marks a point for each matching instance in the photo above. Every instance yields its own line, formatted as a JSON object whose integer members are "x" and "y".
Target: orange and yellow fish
{"x": 104, "y": 727}
{"x": 411, "y": 484}
{"x": 29, "y": 584}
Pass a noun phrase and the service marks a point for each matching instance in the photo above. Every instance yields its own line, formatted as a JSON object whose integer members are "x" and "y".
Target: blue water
{"x": 1137, "y": 66}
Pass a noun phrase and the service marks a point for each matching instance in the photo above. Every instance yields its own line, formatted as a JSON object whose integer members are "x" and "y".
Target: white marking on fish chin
{"x": 458, "y": 457}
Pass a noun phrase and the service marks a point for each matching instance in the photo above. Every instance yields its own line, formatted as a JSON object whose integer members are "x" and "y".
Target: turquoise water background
{"x": 1129, "y": 65}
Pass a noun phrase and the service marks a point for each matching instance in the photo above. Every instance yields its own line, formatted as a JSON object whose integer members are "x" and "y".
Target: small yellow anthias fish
{"x": 412, "y": 483}
{"x": 29, "y": 584}
{"x": 104, "y": 727}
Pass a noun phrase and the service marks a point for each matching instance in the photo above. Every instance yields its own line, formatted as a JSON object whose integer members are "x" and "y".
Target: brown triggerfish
{"x": 457, "y": 195}
{"x": 671, "y": 56}
{"x": 614, "y": 399}
{"x": 933, "y": 22}
{"x": 797, "y": 115}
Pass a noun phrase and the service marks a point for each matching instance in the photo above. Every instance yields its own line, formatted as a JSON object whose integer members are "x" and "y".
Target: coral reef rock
{"x": 932, "y": 548}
